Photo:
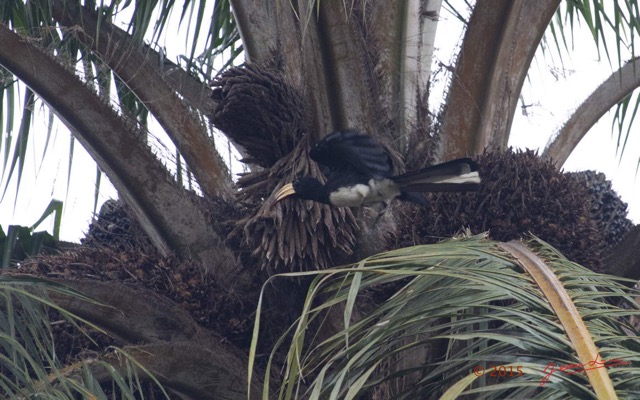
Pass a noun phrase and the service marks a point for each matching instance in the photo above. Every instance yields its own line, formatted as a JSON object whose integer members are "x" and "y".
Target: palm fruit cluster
{"x": 261, "y": 112}
{"x": 116, "y": 227}
{"x": 521, "y": 194}
{"x": 607, "y": 208}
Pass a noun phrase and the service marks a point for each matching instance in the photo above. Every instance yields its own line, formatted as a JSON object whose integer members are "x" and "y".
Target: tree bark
{"x": 197, "y": 372}
{"x": 624, "y": 258}
{"x": 285, "y": 34}
{"x": 364, "y": 66}
{"x": 420, "y": 23}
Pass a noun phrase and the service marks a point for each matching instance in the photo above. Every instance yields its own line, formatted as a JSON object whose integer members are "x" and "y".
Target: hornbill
{"x": 360, "y": 173}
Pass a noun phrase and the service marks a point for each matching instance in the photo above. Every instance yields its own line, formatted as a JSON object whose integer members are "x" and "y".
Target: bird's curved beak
{"x": 285, "y": 191}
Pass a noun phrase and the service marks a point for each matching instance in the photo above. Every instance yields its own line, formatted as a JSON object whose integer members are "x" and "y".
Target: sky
{"x": 553, "y": 94}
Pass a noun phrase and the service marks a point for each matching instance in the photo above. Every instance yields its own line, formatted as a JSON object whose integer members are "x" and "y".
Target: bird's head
{"x": 304, "y": 188}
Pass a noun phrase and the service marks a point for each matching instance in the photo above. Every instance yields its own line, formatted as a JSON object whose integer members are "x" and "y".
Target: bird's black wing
{"x": 350, "y": 152}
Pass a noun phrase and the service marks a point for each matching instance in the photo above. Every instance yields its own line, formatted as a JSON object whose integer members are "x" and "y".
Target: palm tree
{"x": 312, "y": 67}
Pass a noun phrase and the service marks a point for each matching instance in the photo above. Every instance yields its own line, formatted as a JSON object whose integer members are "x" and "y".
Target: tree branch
{"x": 132, "y": 315}
{"x": 500, "y": 42}
{"x": 186, "y": 358}
{"x": 200, "y": 372}
{"x": 620, "y": 84}
{"x": 256, "y": 28}
{"x": 136, "y": 69}
{"x": 173, "y": 221}
{"x": 342, "y": 46}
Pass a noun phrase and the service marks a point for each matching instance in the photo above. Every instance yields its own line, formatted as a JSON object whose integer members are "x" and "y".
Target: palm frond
{"x": 457, "y": 11}
{"x": 614, "y": 28}
{"x": 20, "y": 150}
{"x": 55, "y": 208}
{"x": 28, "y": 360}
{"x": 623, "y": 120}
{"x": 211, "y": 33}
{"x": 479, "y": 301}
{"x": 612, "y": 24}
{"x": 214, "y": 26}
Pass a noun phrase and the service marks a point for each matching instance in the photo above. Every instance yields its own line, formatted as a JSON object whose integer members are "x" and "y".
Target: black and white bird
{"x": 360, "y": 173}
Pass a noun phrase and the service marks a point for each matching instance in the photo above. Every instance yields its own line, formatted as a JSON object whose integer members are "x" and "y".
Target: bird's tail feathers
{"x": 452, "y": 176}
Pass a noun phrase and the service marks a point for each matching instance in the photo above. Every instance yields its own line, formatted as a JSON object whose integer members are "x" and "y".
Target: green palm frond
{"x": 475, "y": 300}
{"x": 20, "y": 150}
{"x": 29, "y": 365}
{"x": 612, "y": 25}
{"x": 218, "y": 30}
{"x": 457, "y": 11}
{"x": 623, "y": 120}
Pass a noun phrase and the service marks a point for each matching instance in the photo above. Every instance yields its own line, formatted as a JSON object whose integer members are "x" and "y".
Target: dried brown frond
{"x": 291, "y": 234}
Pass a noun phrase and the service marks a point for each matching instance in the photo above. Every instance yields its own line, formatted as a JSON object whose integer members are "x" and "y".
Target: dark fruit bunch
{"x": 116, "y": 227}
{"x": 521, "y": 194}
{"x": 607, "y": 208}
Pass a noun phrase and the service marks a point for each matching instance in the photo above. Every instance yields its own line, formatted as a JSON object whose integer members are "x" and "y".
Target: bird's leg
{"x": 381, "y": 212}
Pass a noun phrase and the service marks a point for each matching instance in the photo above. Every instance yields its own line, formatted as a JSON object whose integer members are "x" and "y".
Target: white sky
{"x": 553, "y": 100}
